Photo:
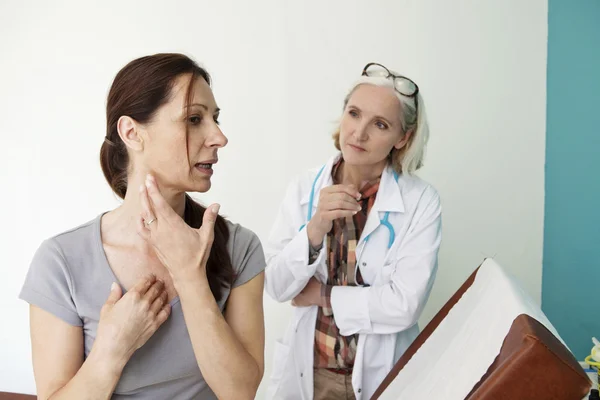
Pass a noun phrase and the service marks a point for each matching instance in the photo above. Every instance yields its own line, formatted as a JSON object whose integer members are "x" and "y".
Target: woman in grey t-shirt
{"x": 159, "y": 298}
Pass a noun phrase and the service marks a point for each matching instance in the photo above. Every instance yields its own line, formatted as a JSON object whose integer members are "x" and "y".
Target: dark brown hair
{"x": 138, "y": 90}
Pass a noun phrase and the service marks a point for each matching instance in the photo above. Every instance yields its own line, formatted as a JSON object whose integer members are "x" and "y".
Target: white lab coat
{"x": 385, "y": 313}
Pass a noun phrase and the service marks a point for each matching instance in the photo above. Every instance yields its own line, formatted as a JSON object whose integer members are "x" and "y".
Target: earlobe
{"x": 129, "y": 133}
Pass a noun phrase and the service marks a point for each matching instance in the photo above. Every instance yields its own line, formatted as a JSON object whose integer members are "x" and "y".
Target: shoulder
{"x": 244, "y": 246}
{"x": 58, "y": 265}
{"x": 301, "y": 185}
{"x": 418, "y": 192}
{"x": 304, "y": 181}
{"x": 246, "y": 252}
{"x": 73, "y": 240}
{"x": 240, "y": 236}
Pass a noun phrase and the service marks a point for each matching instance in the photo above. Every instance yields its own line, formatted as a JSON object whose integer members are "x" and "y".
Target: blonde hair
{"x": 410, "y": 157}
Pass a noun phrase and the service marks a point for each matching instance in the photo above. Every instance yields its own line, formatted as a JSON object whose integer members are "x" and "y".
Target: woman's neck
{"x": 124, "y": 218}
{"x": 359, "y": 175}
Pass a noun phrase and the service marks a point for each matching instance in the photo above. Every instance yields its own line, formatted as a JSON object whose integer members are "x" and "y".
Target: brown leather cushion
{"x": 532, "y": 364}
{"x": 16, "y": 396}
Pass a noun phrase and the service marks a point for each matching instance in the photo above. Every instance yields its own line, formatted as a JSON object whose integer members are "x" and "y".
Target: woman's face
{"x": 371, "y": 125}
{"x": 183, "y": 161}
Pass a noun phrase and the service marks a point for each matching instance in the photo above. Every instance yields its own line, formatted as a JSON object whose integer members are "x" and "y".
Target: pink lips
{"x": 357, "y": 148}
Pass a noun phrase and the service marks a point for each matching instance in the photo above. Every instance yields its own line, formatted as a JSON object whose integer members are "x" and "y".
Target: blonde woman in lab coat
{"x": 355, "y": 248}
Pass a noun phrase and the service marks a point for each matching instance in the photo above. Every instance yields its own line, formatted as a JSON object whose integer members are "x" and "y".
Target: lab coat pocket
{"x": 386, "y": 272}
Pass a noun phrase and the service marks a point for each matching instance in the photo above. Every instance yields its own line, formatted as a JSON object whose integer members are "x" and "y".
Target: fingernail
{"x": 355, "y": 212}
{"x": 141, "y": 188}
{"x": 216, "y": 208}
{"x": 113, "y": 286}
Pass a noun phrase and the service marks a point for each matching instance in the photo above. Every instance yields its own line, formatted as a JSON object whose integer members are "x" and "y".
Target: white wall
{"x": 280, "y": 71}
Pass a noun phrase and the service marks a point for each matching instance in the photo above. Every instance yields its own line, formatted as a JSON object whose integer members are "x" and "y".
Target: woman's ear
{"x": 403, "y": 140}
{"x": 129, "y": 133}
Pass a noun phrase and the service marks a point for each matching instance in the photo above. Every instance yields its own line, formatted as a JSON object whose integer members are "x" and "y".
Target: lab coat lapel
{"x": 389, "y": 199}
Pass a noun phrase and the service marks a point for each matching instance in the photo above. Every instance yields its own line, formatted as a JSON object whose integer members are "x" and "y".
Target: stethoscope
{"x": 383, "y": 221}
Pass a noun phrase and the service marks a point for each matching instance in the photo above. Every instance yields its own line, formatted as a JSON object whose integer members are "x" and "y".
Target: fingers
{"x": 336, "y": 214}
{"x": 147, "y": 211}
{"x": 115, "y": 294}
{"x": 161, "y": 208}
{"x": 144, "y": 284}
{"x": 350, "y": 190}
{"x": 339, "y": 197}
{"x": 142, "y": 229}
{"x": 298, "y": 302}
{"x": 159, "y": 303}
{"x": 339, "y": 201}
{"x": 353, "y": 191}
{"x": 154, "y": 291}
{"x": 162, "y": 316}
{"x": 207, "y": 230}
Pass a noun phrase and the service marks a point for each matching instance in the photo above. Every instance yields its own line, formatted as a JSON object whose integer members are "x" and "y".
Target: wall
{"x": 280, "y": 71}
{"x": 572, "y": 216}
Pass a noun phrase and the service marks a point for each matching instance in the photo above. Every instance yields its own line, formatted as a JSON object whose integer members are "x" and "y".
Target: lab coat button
{"x": 359, "y": 390}
{"x": 364, "y": 264}
{"x": 301, "y": 375}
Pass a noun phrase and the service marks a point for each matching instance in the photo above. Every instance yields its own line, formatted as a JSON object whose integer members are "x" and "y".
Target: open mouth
{"x": 206, "y": 168}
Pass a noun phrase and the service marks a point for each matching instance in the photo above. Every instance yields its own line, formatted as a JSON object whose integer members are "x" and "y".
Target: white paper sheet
{"x": 459, "y": 352}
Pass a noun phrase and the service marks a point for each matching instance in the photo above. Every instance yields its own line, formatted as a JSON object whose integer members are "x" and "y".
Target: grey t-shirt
{"x": 70, "y": 277}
